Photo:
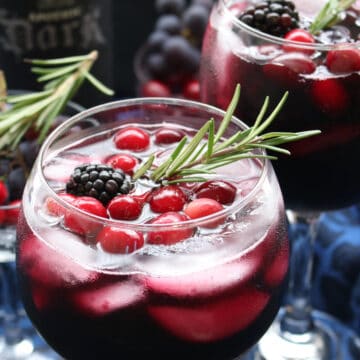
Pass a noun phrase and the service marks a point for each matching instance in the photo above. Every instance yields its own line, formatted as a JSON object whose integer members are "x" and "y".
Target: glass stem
{"x": 297, "y": 318}
{"x": 13, "y": 333}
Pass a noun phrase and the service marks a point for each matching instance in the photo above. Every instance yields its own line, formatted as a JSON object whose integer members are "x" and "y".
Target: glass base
{"x": 330, "y": 340}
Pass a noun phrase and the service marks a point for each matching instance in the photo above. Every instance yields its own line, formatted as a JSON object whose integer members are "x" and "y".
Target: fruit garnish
{"x": 169, "y": 237}
{"x": 273, "y": 17}
{"x": 330, "y": 14}
{"x": 221, "y": 191}
{"x": 124, "y": 207}
{"x": 77, "y": 223}
{"x": 115, "y": 240}
{"x": 167, "y": 198}
{"x": 208, "y": 150}
{"x": 125, "y": 162}
{"x": 132, "y": 138}
{"x": 343, "y": 60}
{"x": 99, "y": 181}
{"x": 4, "y": 193}
{"x": 62, "y": 78}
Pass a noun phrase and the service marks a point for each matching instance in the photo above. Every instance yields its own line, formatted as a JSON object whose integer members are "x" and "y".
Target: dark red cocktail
{"x": 323, "y": 80}
{"x": 101, "y": 279}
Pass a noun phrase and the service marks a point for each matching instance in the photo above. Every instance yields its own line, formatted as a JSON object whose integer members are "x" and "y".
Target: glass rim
{"x": 265, "y": 164}
{"x": 281, "y": 41}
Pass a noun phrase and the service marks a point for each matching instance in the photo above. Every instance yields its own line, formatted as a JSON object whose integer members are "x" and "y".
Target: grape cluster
{"x": 170, "y": 57}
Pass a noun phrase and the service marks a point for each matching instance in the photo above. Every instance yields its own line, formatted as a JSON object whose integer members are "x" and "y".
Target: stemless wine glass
{"x": 205, "y": 288}
{"x": 323, "y": 83}
{"x": 18, "y": 340}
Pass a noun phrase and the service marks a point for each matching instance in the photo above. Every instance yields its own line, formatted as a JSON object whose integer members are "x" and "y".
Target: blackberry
{"x": 99, "y": 181}
{"x": 274, "y": 17}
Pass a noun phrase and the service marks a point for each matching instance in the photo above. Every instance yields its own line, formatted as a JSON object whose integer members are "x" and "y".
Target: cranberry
{"x": 132, "y": 138}
{"x": 330, "y": 96}
{"x": 142, "y": 198}
{"x": 168, "y": 136}
{"x": 167, "y": 198}
{"x": 202, "y": 207}
{"x": 221, "y": 191}
{"x": 124, "y": 162}
{"x": 284, "y": 69}
{"x": 2, "y": 216}
{"x": 297, "y": 62}
{"x": 343, "y": 61}
{"x": 54, "y": 208}
{"x": 155, "y": 88}
{"x": 124, "y": 207}
{"x": 4, "y": 193}
{"x": 12, "y": 213}
{"x": 78, "y": 223}
{"x": 191, "y": 90}
{"x": 301, "y": 36}
{"x": 120, "y": 241}
{"x": 169, "y": 237}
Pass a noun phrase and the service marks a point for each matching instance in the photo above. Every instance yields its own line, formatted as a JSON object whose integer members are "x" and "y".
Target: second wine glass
{"x": 323, "y": 83}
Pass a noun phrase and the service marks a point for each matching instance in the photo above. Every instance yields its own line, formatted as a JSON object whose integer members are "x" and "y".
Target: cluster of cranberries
{"x": 108, "y": 191}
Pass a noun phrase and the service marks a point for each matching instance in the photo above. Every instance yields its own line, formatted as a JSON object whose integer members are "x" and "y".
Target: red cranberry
{"x": 132, "y": 138}
{"x": 191, "y": 90}
{"x": 168, "y": 136}
{"x": 343, "y": 61}
{"x": 78, "y": 223}
{"x": 221, "y": 191}
{"x": 167, "y": 198}
{"x": 284, "y": 69}
{"x": 2, "y": 216}
{"x": 4, "y": 194}
{"x": 54, "y": 207}
{"x": 124, "y": 207}
{"x": 124, "y": 162}
{"x": 169, "y": 237}
{"x": 154, "y": 88}
{"x": 120, "y": 241}
{"x": 301, "y": 36}
{"x": 330, "y": 96}
{"x": 202, "y": 207}
{"x": 12, "y": 213}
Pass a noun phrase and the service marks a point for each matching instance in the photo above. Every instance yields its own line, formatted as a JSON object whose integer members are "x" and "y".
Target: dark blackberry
{"x": 99, "y": 181}
{"x": 274, "y": 17}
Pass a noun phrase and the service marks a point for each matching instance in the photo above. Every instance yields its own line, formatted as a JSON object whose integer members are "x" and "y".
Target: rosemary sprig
{"x": 212, "y": 150}
{"x": 62, "y": 78}
{"x": 329, "y": 15}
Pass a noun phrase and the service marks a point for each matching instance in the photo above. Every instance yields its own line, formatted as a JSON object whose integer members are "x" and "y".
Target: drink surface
{"x": 212, "y": 294}
{"x": 320, "y": 174}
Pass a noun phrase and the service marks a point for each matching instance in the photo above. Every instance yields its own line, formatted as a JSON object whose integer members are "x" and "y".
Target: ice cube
{"x": 108, "y": 298}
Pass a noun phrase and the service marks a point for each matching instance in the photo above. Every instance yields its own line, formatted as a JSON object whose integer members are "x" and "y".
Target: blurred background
{"x": 59, "y": 28}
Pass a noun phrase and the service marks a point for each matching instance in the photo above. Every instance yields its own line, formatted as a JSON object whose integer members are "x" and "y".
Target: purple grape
{"x": 206, "y": 3}
{"x": 156, "y": 65}
{"x": 156, "y": 40}
{"x": 16, "y": 183}
{"x": 169, "y": 23}
{"x": 194, "y": 20}
{"x": 181, "y": 55}
{"x": 170, "y": 6}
